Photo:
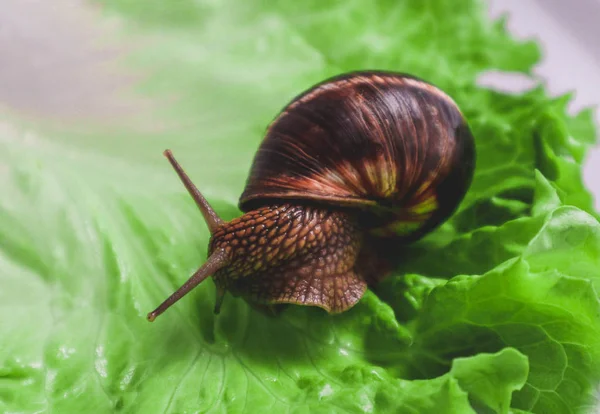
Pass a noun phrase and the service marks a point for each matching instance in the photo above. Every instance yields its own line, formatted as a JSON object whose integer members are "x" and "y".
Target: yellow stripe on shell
{"x": 427, "y": 206}
{"x": 380, "y": 178}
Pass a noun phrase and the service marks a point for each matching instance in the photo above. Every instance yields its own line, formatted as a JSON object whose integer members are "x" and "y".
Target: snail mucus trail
{"x": 356, "y": 163}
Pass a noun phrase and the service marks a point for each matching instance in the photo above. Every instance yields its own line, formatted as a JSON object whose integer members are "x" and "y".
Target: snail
{"x": 356, "y": 162}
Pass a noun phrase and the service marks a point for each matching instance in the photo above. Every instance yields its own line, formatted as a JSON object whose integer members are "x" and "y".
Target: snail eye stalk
{"x": 210, "y": 216}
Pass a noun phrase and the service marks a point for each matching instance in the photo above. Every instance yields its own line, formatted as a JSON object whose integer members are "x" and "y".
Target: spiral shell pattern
{"x": 391, "y": 145}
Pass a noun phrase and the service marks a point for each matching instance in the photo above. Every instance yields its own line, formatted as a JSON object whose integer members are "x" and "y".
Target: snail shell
{"x": 392, "y": 145}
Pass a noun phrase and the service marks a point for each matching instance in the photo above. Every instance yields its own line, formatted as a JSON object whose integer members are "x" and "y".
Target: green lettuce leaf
{"x": 497, "y": 311}
{"x": 490, "y": 380}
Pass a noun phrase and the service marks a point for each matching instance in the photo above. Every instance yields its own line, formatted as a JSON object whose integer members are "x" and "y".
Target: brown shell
{"x": 391, "y": 144}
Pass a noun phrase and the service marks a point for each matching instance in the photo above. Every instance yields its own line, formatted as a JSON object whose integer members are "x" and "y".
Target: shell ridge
{"x": 381, "y": 140}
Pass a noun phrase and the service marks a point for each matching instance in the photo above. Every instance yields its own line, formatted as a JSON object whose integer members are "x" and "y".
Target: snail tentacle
{"x": 217, "y": 260}
{"x": 210, "y": 215}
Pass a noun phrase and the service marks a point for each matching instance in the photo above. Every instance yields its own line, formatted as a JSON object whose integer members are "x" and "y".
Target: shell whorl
{"x": 391, "y": 144}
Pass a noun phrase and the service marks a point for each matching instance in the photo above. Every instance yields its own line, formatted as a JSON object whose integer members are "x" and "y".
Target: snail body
{"x": 353, "y": 162}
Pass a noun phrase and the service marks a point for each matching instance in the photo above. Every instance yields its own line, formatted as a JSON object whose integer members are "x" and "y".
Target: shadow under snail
{"x": 352, "y": 165}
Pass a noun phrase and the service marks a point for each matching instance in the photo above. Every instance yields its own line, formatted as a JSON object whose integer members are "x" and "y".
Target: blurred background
{"x": 61, "y": 62}
{"x": 571, "y": 61}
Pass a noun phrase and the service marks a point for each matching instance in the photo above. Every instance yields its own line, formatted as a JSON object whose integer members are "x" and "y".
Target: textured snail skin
{"x": 296, "y": 254}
